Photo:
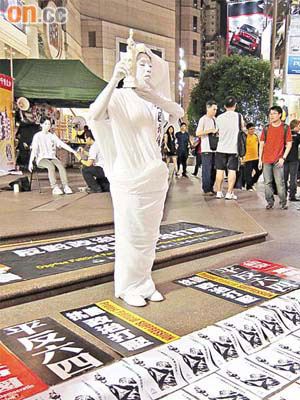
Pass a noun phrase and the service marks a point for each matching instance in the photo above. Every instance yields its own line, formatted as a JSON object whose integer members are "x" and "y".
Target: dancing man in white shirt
{"x": 43, "y": 150}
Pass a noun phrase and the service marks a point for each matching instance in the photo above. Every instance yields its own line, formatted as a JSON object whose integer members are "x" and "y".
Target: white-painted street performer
{"x": 124, "y": 123}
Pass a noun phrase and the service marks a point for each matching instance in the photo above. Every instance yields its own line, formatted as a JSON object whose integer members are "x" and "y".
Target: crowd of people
{"x": 273, "y": 153}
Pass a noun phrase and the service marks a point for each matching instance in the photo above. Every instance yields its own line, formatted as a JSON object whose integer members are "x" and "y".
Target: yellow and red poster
{"x": 7, "y": 153}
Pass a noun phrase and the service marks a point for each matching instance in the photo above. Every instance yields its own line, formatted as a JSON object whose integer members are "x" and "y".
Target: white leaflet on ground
{"x": 289, "y": 345}
{"x": 247, "y": 331}
{"x": 193, "y": 357}
{"x": 278, "y": 362}
{"x": 224, "y": 344}
{"x": 70, "y": 390}
{"x": 287, "y": 310}
{"x": 252, "y": 377}
{"x": 216, "y": 387}
{"x": 179, "y": 395}
{"x": 160, "y": 372}
{"x": 292, "y": 392}
{"x": 271, "y": 325}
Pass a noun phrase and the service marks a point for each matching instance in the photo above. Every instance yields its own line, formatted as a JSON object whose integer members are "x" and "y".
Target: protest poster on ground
{"x": 125, "y": 332}
{"x": 52, "y": 351}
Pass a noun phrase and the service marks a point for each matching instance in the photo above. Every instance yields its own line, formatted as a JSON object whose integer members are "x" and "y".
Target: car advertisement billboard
{"x": 248, "y": 28}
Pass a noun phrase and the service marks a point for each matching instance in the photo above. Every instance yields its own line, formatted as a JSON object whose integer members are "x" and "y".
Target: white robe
{"x": 138, "y": 182}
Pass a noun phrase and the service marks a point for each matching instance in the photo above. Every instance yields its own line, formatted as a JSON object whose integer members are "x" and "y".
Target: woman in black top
{"x": 170, "y": 147}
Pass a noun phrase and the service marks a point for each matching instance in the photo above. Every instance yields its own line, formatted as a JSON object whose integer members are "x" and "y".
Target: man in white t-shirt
{"x": 92, "y": 170}
{"x": 43, "y": 150}
{"x": 227, "y": 151}
{"x": 207, "y": 126}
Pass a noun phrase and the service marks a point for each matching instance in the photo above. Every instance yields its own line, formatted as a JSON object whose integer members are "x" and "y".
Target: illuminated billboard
{"x": 292, "y": 78}
{"x": 248, "y": 28}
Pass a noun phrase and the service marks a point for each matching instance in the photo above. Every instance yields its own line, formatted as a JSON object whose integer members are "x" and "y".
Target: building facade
{"x": 104, "y": 32}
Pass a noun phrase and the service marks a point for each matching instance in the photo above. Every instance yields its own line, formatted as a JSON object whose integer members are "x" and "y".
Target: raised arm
{"x": 98, "y": 109}
{"x": 174, "y": 110}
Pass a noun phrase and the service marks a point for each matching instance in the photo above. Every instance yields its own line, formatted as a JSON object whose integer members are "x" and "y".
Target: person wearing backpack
{"x": 275, "y": 144}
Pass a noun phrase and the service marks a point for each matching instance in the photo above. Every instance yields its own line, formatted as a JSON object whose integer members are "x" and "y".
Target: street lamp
{"x": 182, "y": 68}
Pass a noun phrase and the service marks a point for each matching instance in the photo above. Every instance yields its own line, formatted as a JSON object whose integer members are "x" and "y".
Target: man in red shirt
{"x": 272, "y": 154}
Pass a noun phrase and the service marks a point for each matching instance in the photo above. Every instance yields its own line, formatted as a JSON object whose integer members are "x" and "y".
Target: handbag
{"x": 213, "y": 139}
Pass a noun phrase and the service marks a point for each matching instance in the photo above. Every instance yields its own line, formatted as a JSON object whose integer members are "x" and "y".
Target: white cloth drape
{"x": 138, "y": 180}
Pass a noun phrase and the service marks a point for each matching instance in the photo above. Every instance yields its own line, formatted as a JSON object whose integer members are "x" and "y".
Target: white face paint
{"x": 143, "y": 69}
{"x": 46, "y": 126}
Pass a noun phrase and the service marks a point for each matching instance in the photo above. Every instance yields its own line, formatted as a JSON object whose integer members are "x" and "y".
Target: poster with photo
{"x": 287, "y": 311}
{"x": 216, "y": 387}
{"x": 270, "y": 323}
{"x": 160, "y": 373}
{"x": 193, "y": 357}
{"x": 247, "y": 331}
{"x": 278, "y": 362}
{"x": 224, "y": 343}
{"x": 292, "y": 392}
{"x": 252, "y": 377}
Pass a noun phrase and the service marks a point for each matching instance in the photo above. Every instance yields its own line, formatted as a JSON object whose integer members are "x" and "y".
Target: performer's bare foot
{"x": 156, "y": 296}
{"x": 134, "y": 300}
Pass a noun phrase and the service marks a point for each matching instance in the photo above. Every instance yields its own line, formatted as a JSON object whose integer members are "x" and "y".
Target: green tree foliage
{"x": 245, "y": 78}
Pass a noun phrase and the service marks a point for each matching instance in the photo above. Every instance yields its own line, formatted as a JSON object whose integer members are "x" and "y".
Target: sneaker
{"x": 185, "y": 175}
{"x": 208, "y": 193}
{"x": 269, "y": 206}
{"x": 219, "y": 195}
{"x": 57, "y": 191}
{"x": 294, "y": 199}
{"x": 284, "y": 207}
{"x": 230, "y": 196}
{"x": 67, "y": 190}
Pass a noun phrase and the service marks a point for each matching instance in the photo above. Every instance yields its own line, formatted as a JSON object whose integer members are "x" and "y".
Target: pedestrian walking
{"x": 275, "y": 144}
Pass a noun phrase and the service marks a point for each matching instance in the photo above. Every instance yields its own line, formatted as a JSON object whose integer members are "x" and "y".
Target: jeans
{"x": 272, "y": 171}
{"x": 249, "y": 167}
{"x": 50, "y": 166}
{"x": 95, "y": 178}
{"x": 198, "y": 163}
{"x": 208, "y": 171}
{"x": 290, "y": 170}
